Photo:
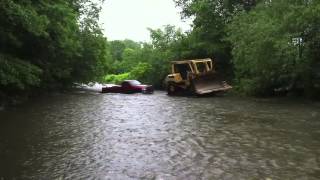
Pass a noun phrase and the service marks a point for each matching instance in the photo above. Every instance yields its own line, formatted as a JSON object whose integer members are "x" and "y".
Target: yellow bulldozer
{"x": 195, "y": 77}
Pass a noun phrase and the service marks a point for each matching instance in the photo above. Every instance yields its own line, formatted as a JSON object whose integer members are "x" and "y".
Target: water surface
{"x": 88, "y": 135}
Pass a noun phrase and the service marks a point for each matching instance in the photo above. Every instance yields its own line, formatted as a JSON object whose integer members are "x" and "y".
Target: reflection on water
{"x": 85, "y": 135}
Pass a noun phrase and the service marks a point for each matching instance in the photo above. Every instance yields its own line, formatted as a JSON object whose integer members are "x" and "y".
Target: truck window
{"x": 135, "y": 83}
{"x": 125, "y": 84}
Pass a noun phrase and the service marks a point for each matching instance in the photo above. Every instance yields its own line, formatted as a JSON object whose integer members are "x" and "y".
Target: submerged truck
{"x": 195, "y": 77}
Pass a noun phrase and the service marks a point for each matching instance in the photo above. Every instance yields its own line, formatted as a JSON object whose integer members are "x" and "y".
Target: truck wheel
{"x": 171, "y": 89}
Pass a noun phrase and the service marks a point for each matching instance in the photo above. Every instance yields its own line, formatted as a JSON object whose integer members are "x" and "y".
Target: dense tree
{"x": 117, "y": 47}
{"x": 210, "y": 18}
{"x": 49, "y": 44}
{"x": 276, "y": 48}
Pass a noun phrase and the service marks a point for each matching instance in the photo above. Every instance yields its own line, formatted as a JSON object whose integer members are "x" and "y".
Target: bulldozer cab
{"x": 186, "y": 68}
{"x": 183, "y": 69}
{"x": 202, "y": 66}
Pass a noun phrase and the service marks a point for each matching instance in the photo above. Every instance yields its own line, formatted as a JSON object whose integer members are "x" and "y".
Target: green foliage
{"x": 117, "y": 48}
{"x": 125, "y": 55}
{"x": 116, "y": 78}
{"x": 92, "y": 64}
{"x": 59, "y": 39}
{"x": 17, "y": 74}
{"x": 147, "y": 62}
{"x": 266, "y": 55}
{"x": 207, "y": 38}
{"x": 139, "y": 72}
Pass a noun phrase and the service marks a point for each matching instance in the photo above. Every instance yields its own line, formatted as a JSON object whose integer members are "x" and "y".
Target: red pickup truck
{"x": 129, "y": 86}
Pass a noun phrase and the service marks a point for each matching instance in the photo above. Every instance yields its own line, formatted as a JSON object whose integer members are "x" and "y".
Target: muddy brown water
{"x": 88, "y": 135}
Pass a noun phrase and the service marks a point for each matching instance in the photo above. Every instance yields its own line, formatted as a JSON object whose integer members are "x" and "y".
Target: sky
{"x": 129, "y": 19}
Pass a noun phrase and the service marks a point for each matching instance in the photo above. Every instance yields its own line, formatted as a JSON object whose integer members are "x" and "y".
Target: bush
{"x": 18, "y": 74}
{"x": 116, "y": 78}
{"x": 266, "y": 54}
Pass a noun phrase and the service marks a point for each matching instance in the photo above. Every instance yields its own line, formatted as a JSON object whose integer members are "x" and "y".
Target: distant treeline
{"x": 264, "y": 47}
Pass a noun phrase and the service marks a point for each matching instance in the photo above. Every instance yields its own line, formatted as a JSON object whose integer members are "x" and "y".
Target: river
{"x": 88, "y": 135}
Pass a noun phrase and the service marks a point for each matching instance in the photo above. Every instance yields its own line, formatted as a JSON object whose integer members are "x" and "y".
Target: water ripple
{"x": 116, "y": 136}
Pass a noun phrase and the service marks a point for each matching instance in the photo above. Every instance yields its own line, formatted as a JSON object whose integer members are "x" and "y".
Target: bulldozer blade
{"x": 209, "y": 83}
